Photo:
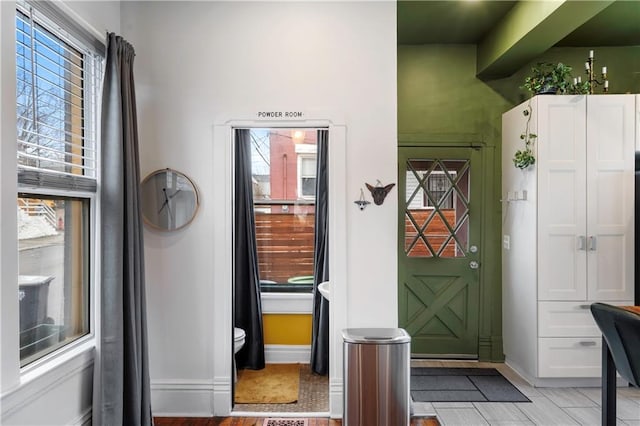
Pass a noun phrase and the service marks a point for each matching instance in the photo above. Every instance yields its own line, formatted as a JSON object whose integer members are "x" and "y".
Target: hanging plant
{"x": 525, "y": 158}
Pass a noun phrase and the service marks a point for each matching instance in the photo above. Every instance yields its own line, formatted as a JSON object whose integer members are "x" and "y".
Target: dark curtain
{"x": 320, "y": 320}
{"x": 247, "y": 305}
{"x": 122, "y": 395}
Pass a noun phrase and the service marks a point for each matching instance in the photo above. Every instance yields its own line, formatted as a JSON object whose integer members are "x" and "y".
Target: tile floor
{"x": 548, "y": 407}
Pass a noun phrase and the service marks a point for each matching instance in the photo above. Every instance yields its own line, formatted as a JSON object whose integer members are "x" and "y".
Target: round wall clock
{"x": 169, "y": 200}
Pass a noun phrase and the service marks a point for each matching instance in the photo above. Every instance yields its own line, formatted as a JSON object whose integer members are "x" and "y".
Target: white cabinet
{"x": 567, "y": 229}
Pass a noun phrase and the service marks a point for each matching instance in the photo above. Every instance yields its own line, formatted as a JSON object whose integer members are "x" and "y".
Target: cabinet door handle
{"x": 588, "y": 343}
{"x": 581, "y": 242}
{"x": 584, "y": 306}
{"x": 592, "y": 243}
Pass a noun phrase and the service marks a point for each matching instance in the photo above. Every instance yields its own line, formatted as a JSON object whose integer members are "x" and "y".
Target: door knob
{"x": 474, "y": 265}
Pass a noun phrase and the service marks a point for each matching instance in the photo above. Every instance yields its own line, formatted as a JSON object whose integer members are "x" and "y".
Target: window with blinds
{"x": 58, "y": 77}
{"x": 57, "y": 81}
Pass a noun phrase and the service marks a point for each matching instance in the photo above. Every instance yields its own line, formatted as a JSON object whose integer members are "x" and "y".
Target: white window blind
{"x": 57, "y": 84}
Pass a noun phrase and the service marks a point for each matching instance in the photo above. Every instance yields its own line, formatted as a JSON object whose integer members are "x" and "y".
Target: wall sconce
{"x": 362, "y": 203}
{"x": 593, "y": 81}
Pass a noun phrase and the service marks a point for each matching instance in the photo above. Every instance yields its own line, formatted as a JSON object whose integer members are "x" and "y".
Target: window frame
{"x": 93, "y": 61}
{"x": 440, "y": 175}
{"x": 308, "y": 151}
{"x": 80, "y": 187}
{"x": 304, "y": 152}
{"x": 301, "y": 159}
{"x": 92, "y": 277}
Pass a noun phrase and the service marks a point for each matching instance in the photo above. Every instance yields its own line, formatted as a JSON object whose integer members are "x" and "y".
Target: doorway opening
{"x": 284, "y": 191}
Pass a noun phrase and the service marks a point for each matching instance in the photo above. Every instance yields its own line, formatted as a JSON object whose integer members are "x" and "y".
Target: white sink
{"x": 323, "y": 288}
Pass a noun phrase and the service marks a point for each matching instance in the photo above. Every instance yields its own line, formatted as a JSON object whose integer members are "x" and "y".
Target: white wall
{"x": 96, "y": 16}
{"x": 57, "y": 391}
{"x": 197, "y": 62}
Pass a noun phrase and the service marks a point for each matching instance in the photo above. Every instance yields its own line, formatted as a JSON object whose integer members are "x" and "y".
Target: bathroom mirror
{"x": 169, "y": 200}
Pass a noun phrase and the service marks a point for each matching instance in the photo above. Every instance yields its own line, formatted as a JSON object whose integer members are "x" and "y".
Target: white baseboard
{"x": 222, "y": 396}
{"x": 182, "y": 398}
{"x": 336, "y": 401}
{"x": 283, "y": 354}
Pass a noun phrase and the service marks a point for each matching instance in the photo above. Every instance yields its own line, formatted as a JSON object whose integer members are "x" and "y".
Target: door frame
{"x": 463, "y": 281}
{"x": 490, "y": 280}
{"x": 222, "y": 210}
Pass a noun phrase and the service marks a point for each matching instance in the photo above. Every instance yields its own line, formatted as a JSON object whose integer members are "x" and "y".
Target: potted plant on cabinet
{"x": 545, "y": 78}
{"x": 549, "y": 78}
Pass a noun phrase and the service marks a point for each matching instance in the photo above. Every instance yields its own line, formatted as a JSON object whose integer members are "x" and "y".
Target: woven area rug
{"x": 274, "y": 384}
{"x": 434, "y": 384}
{"x": 285, "y": 422}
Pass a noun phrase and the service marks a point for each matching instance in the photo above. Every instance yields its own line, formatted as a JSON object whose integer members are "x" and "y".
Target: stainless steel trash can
{"x": 376, "y": 377}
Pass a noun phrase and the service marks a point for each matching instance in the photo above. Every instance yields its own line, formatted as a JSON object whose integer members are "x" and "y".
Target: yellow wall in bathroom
{"x": 287, "y": 329}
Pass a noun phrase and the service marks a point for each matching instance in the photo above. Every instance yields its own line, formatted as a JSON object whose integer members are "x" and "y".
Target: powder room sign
{"x": 280, "y": 114}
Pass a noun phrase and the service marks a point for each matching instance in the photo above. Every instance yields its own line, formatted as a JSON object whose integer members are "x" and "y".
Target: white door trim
{"x": 222, "y": 165}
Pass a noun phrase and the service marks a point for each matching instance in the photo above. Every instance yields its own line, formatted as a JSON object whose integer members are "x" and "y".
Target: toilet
{"x": 238, "y": 339}
{"x": 238, "y": 343}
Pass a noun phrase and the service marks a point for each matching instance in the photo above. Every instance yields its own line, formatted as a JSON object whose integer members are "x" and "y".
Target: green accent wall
{"x": 623, "y": 69}
{"x": 441, "y": 99}
{"x": 438, "y": 93}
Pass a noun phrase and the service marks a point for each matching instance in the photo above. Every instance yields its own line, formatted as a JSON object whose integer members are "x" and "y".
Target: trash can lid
{"x": 25, "y": 280}
{"x": 375, "y": 335}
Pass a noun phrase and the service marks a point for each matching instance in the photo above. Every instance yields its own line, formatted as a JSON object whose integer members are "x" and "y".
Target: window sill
{"x": 287, "y": 303}
{"x": 269, "y": 287}
{"x": 82, "y": 349}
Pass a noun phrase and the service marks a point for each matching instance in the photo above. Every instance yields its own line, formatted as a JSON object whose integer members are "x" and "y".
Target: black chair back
{"x": 621, "y": 330}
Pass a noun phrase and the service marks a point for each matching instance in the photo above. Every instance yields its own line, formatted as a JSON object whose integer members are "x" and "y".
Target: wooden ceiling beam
{"x": 528, "y": 30}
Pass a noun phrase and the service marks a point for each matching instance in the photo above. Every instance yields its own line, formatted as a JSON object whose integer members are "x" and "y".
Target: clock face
{"x": 169, "y": 200}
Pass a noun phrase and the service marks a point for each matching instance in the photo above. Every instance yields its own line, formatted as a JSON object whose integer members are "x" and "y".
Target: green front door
{"x": 439, "y": 239}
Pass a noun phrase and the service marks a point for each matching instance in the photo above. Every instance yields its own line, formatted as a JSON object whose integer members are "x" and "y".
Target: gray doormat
{"x": 435, "y": 384}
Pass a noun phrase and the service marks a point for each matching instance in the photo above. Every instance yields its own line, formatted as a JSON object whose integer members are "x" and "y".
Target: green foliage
{"x": 525, "y": 157}
{"x": 581, "y": 88}
{"x": 547, "y": 77}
